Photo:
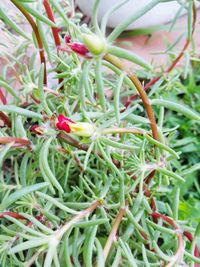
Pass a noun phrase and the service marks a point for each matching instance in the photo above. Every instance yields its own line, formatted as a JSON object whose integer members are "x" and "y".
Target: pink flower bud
{"x": 79, "y": 48}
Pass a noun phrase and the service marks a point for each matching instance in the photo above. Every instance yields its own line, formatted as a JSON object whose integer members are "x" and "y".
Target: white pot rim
{"x": 160, "y": 14}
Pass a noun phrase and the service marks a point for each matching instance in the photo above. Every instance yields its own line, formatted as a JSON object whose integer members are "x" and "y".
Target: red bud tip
{"x": 67, "y": 39}
{"x": 79, "y": 48}
{"x": 36, "y": 129}
{"x": 63, "y": 123}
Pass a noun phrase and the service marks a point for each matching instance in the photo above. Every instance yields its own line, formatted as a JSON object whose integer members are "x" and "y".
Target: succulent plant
{"x": 95, "y": 164}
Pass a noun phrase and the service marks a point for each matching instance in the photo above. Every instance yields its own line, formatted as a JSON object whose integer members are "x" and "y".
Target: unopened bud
{"x": 94, "y": 43}
{"x": 77, "y": 128}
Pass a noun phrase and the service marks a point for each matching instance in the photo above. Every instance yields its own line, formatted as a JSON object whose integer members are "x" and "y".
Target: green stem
{"x": 123, "y": 53}
{"x": 121, "y": 131}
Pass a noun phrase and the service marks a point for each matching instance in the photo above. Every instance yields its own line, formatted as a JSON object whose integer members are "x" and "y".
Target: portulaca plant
{"x": 94, "y": 165}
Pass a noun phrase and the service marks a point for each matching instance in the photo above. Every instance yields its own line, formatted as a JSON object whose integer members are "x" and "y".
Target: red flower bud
{"x": 36, "y": 129}
{"x": 63, "y": 123}
{"x": 77, "y": 128}
{"x": 78, "y": 48}
{"x": 67, "y": 39}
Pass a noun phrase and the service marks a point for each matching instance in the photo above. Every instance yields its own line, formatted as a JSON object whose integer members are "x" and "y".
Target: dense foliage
{"x": 96, "y": 170}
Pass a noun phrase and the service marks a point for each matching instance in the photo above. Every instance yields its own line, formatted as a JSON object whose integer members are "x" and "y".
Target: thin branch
{"x": 113, "y": 234}
{"x": 175, "y": 258}
{"x": 150, "y": 176}
{"x": 17, "y": 141}
{"x": 12, "y": 214}
{"x": 51, "y": 17}
{"x": 196, "y": 250}
{"x": 60, "y": 232}
{"x": 30, "y": 262}
{"x": 3, "y": 98}
{"x": 71, "y": 141}
{"x": 147, "y": 105}
{"x": 122, "y": 130}
{"x": 5, "y": 119}
{"x": 54, "y": 30}
{"x": 37, "y": 35}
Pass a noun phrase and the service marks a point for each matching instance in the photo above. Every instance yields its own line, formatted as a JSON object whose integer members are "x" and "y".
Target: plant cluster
{"x": 98, "y": 161}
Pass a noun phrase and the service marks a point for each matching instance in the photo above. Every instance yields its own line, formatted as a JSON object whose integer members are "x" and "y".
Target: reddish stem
{"x": 153, "y": 205}
{"x": 2, "y": 97}
{"x": 150, "y": 176}
{"x": 54, "y": 30}
{"x": 188, "y": 235}
{"x": 51, "y": 17}
{"x": 146, "y": 102}
{"x": 5, "y": 119}
{"x": 18, "y": 141}
{"x": 170, "y": 221}
{"x": 171, "y": 67}
{"x": 180, "y": 248}
{"x": 196, "y": 250}
{"x": 18, "y": 216}
{"x": 35, "y": 99}
{"x": 113, "y": 234}
{"x": 37, "y": 35}
{"x": 12, "y": 214}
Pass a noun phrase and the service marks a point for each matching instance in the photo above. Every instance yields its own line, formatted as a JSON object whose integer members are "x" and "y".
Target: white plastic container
{"x": 162, "y": 13}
